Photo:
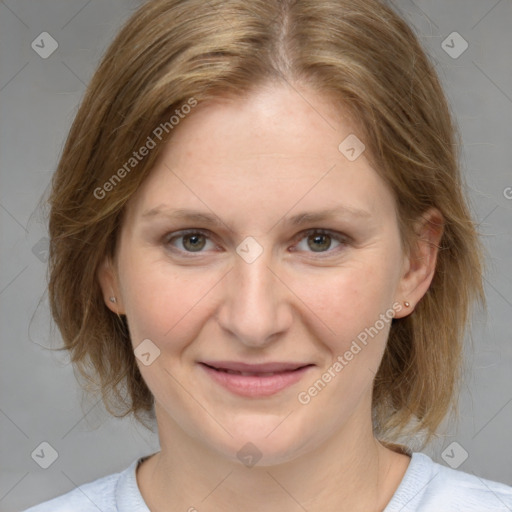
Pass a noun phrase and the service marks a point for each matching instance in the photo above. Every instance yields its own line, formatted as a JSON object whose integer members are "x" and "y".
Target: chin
{"x": 262, "y": 441}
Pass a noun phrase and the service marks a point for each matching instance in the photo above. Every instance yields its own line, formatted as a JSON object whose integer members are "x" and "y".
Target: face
{"x": 301, "y": 305}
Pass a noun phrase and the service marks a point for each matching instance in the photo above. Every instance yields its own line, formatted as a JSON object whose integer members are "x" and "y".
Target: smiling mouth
{"x": 255, "y": 381}
{"x": 253, "y": 374}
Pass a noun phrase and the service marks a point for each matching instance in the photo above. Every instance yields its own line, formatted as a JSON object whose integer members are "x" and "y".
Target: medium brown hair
{"x": 368, "y": 61}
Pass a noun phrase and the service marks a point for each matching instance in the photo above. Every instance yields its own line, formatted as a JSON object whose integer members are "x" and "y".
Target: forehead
{"x": 278, "y": 122}
{"x": 277, "y": 150}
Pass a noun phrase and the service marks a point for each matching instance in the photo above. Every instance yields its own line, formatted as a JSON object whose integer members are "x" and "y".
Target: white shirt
{"x": 425, "y": 487}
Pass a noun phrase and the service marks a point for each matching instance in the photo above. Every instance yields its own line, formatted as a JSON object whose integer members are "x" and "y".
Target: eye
{"x": 193, "y": 240}
{"x": 320, "y": 240}
{"x": 316, "y": 240}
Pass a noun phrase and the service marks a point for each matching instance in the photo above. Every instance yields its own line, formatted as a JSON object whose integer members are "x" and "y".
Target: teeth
{"x": 248, "y": 374}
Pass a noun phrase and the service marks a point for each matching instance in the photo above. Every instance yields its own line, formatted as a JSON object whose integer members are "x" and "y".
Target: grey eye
{"x": 319, "y": 242}
{"x": 193, "y": 242}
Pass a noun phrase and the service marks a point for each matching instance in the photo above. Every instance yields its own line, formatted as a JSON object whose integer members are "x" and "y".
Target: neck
{"x": 347, "y": 473}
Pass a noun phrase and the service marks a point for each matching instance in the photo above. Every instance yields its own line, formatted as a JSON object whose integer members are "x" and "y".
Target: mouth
{"x": 251, "y": 380}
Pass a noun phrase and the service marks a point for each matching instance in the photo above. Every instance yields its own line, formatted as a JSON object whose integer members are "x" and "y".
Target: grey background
{"x": 39, "y": 398}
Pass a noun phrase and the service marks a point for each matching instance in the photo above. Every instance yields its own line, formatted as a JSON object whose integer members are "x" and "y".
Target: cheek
{"x": 164, "y": 305}
{"x": 346, "y": 300}
{"x": 169, "y": 305}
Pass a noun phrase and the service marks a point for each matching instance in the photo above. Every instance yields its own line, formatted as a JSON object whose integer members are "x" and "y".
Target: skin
{"x": 253, "y": 162}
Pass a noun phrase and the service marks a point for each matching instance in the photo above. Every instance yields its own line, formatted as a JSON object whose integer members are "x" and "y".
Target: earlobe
{"x": 422, "y": 260}
{"x": 108, "y": 283}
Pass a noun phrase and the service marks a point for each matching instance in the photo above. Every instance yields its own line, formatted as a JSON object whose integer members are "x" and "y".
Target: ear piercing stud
{"x": 113, "y": 299}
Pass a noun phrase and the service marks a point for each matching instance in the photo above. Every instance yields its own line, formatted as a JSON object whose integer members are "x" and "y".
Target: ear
{"x": 109, "y": 286}
{"x": 420, "y": 265}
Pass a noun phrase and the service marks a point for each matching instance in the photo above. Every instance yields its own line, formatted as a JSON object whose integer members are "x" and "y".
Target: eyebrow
{"x": 184, "y": 214}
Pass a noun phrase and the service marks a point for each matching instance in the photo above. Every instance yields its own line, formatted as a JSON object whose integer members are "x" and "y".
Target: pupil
{"x": 319, "y": 238}
{"x": 195, "y": 245}
{"x": 194, "y": 242}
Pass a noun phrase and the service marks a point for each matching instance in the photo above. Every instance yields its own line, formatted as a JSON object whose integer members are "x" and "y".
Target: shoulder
{"x": 467, "y": 491}
{"x": 92, "y": 496}
{"x": 429, "y": 486}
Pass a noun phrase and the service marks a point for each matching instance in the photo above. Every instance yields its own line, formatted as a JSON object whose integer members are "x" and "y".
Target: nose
{"x": 256, "y": 306}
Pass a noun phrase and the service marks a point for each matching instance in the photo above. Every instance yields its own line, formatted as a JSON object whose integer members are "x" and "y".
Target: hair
{"x": 368, "y": 61}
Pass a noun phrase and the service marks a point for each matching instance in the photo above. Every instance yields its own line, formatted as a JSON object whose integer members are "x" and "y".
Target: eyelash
{"x": 342, "y": 239}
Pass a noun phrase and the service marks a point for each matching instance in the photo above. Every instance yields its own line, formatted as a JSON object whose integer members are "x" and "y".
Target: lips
{"x": 254, "y": 380}
{"x": 235, "y": 367}
{"x": 247, "y": 374}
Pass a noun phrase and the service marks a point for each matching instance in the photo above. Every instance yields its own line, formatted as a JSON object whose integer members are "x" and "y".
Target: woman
{"x": 259, "y": 238}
